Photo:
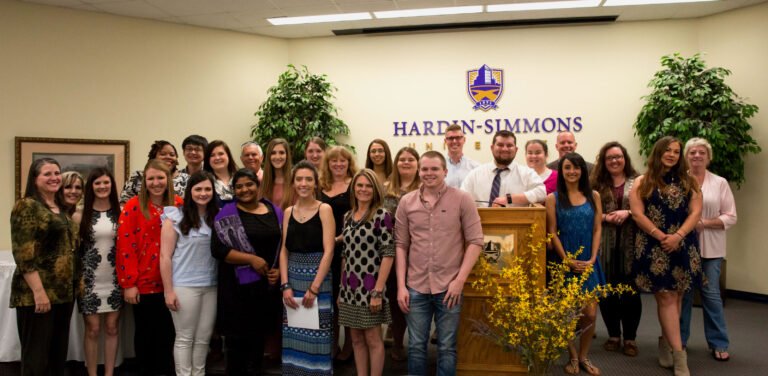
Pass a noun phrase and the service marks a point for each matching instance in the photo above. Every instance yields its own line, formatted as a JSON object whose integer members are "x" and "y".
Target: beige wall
{"x": 737, "y": 41}
{"x": 73, "y": 74}
{"x": 147, "y": 80}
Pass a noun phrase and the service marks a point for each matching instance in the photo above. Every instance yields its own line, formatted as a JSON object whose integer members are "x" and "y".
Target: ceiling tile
{"x": 135, "y": 8}
{"x": 216, "y": 21}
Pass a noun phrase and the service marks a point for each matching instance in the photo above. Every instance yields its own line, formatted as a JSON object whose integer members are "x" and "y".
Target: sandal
{"x": 572, "y": 367}
{"x": 721, "y": 355}
{"x": 589, "y": 368}
{"x": 630, "y": 348}
{"x": 612, "y": 344}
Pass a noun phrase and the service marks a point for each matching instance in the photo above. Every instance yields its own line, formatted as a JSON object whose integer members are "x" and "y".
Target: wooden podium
{"x": 503, "y": 228}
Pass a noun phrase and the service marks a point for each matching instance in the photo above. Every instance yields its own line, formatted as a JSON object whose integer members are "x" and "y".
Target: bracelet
{"x": 678, "y": 234}
{"x": 376, "y": 294}
{"x": 652, "y": 231}
{"x": 314, "y": 292}
{"x": 286, "y": 286}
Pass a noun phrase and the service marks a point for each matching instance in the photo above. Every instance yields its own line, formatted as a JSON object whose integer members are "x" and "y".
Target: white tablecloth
{"x": 10, "y": 350}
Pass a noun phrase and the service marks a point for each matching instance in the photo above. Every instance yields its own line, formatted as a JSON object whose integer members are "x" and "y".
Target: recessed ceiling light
{"x": 321, "y": 18}
{"x": 542, "y": 5}
{"x": 428, "y": 12}
{"x": 618, "y": 3}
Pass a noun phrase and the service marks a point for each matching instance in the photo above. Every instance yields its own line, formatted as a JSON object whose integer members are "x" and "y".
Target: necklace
{"x": 301, "y": 214}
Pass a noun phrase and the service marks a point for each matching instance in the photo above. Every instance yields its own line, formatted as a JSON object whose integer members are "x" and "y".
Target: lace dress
{"x": 99, "y": 291}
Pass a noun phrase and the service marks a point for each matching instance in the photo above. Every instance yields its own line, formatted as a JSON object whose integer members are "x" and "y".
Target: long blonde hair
{"x": 326, "y": 177}
{"x": 168, "y": 197}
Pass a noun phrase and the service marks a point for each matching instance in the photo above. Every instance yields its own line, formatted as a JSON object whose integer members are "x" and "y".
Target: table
{"x": 10, "y": 349}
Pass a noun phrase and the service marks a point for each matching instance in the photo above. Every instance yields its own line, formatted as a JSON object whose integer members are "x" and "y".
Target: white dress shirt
{"x": 458, "y": 171}
{"x": 518, "y": 179}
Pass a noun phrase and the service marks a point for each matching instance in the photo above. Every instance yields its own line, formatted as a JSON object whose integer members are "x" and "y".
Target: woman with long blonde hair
{"x": 335, "y": 175}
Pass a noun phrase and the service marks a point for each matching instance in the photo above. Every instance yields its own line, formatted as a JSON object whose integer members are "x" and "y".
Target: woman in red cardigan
{"x": 138, "y": 268}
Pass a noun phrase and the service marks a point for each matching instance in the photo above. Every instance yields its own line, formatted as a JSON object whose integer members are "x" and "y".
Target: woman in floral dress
{"x": 367, "y": 257}
{"x": 99, "y": 294}
{"x": 666, "y": 205}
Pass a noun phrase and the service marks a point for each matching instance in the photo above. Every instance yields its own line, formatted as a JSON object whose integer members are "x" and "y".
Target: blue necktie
{"x": 496, "y": 185}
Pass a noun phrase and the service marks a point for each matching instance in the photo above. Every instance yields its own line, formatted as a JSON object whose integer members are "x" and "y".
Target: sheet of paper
{"x": 307, "y": 318}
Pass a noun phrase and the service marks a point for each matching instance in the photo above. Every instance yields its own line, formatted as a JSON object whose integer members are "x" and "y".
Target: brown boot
{"x": 680, "y": 359}
{"x": 665, "y": 353}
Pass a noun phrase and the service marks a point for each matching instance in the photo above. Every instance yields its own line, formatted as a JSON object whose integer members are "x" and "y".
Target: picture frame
{"x": 73, "y": 154}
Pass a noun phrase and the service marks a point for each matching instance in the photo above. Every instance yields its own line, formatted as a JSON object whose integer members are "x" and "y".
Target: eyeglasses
{"x": 614, "y": 157}
{"x": 454, "y": 138}
{"x": 193, "y": 149}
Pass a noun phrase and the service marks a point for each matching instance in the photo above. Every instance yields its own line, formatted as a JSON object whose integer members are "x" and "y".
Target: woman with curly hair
{"x": 613, "y": 177}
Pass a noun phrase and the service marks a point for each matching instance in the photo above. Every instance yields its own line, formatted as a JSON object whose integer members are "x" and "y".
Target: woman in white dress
{"x": 99, "y": 294}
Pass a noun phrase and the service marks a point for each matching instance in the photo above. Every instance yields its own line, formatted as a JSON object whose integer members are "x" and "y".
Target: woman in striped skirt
{"x": 305, "y": 260}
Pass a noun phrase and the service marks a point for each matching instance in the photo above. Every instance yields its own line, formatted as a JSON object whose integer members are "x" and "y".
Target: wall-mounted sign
{"x": 485, "y": 86}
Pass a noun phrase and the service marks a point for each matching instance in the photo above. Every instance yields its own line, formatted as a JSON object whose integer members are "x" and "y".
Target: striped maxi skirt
{"x": 307, "y": 351}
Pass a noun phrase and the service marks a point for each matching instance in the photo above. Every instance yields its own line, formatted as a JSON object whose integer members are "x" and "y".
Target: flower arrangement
{"x": 523, "y": 316}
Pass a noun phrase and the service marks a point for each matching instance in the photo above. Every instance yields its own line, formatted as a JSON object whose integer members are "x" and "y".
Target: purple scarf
{"x": 230, "y": 229}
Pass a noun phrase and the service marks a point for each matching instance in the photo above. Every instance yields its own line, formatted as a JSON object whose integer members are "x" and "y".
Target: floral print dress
{"x": 654, "y": 269}
{"x": 99, "y": 291}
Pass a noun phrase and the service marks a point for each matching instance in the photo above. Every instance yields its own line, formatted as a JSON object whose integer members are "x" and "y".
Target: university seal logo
{"x": 485, "y": 86}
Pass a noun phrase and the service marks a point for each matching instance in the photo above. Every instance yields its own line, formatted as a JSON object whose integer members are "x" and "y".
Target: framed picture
{"x": 81, "y": 155}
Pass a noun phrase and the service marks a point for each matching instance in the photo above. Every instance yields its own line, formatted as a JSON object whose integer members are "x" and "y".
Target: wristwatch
{"x": 285, "y": 286}
{"x": 509, "y": 199}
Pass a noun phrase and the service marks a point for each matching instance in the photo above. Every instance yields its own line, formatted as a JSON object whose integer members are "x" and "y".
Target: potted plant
{"x": 298, "y": 108}
{"x": 537, "y": 322}
{"x": 690, "y": 100}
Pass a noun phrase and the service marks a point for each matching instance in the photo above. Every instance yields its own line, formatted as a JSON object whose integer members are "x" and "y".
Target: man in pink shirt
{"x": 438, "y": 238}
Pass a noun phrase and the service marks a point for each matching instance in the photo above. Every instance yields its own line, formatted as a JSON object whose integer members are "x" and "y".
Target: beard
{"x": 503, "y": 161}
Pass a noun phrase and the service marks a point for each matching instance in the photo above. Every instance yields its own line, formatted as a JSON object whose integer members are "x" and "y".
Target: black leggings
{"x": 622, "y": 311}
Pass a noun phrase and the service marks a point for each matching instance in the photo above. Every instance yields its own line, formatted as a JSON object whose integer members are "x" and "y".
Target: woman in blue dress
{"x": 573, "y": 219}
{"x": 666, "y": 204}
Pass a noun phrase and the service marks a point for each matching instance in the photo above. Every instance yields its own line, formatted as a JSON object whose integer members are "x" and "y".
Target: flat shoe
{"x": 630, "y": 348}
{"x": 612, "y": 344}
{"x": 572, "y": 367}
{"x": 589, "y": 368}
{"x": 721, "y": 356}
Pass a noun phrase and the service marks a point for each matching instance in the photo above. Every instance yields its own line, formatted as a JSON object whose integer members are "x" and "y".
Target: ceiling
{"x": 249, "y": 16}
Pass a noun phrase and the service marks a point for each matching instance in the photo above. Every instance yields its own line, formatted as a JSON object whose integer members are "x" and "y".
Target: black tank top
{"x": 305, "y": 237}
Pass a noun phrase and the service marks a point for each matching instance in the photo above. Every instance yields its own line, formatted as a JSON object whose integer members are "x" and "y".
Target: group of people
{"x": 211, "y": 250}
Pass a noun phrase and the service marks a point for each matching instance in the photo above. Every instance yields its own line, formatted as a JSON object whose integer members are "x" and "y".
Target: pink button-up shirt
{"x": 434, "y": 238}
{"x": 718, "y": 203}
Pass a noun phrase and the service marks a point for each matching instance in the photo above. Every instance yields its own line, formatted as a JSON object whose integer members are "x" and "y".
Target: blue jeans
{"x": 423, "y": 307}
{"x": 714, "y": 319}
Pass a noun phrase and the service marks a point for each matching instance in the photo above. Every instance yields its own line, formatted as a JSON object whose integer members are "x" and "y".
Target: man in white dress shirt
{"x": 459, "y": 165}
{"x": 501, "y": 182}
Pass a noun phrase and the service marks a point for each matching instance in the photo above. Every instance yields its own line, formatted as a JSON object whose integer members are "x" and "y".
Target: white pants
{"x": 194, "y": 324}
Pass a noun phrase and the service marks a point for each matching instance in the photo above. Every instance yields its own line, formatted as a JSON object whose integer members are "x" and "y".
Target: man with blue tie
{"x": 501, "y": 182}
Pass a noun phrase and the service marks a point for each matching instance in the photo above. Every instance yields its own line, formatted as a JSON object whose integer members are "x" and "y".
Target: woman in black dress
{"x": 335, "y": 176}
{"x": 246, "y": 241}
